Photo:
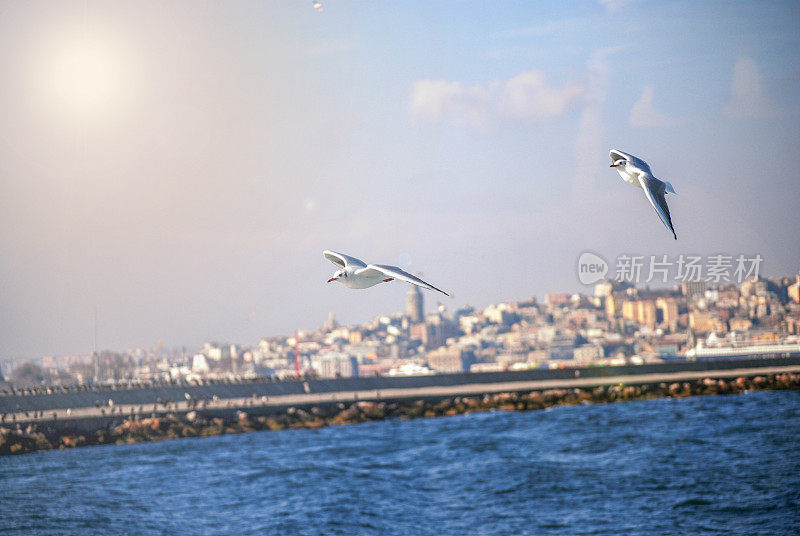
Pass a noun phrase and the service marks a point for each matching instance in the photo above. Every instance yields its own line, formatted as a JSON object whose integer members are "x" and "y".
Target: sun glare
{"x": 87, "y": 79}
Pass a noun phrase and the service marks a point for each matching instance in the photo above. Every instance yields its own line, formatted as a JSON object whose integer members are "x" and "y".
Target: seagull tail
{"x": 668, "y": 187}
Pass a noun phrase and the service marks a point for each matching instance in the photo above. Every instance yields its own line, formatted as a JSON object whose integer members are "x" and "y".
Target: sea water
{"x": 703, "y": 465}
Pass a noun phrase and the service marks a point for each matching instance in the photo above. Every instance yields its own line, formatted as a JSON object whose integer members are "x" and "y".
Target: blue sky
{"x": 181, "y": 166}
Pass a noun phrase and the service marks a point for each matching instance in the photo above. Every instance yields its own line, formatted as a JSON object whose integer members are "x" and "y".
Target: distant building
{"x": 562, "y": 346}
{"x": 629, "y": 310}
{"x": 500, "y": 314}
{"x": 468, "y": 324}
{"x": 95, "y": 366}
{"x": 334, "y": 365}
{"x": 355, "y": 337}
{"x": 667, "y": 310}
{"x": 646, "y": 313}
{"x": 739, "y": 323}
{"x": 603, "y": 289}
{"x": 507, "y": 359}
{"x": 641, "y": 311}
{"x": 450, "y": 360}
{"x": 331, "y": 323}
{"x": 366, "y": 370}
{"x": 587, "y": 353}
{"x": 216, "y": 351}
{"x": 753, "y": 287}
{"x": 703, "y": 322}
{"x": 694, "y": 289}
{"x": 538, "y": 356}
{"x": 666, "y": 348}
{"x": 434, "y": 332}
{"x": 794, "y": 290}
{"x": 611, "y": 306}
{"x": 415, "y": 306}
{"x": 793, "y": 323}
{"x": 200, "y": 364}
{"x": 556, "y": 299}
{"x": 488, "y": 367}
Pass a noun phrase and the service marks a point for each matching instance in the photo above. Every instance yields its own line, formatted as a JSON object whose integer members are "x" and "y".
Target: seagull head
{"x": 337, "y": 275}
{"x": 619, "y": 162}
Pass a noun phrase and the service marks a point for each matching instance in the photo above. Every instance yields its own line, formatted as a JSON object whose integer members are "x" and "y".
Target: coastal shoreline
{"x": 23, "y": 438}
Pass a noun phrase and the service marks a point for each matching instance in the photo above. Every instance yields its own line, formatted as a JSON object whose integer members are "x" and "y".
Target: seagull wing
{"x": 616, "y": 154}
{"x": 397, "y": 273}
{"x": 342, "y": 260}
{"x": 654, "y": 190}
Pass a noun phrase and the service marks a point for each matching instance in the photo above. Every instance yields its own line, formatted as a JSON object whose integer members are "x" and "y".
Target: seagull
{"x": 355, "y": 273}
{"x": 636, "y": 172}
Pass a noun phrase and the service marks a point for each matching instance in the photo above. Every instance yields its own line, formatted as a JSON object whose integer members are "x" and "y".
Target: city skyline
{"x": 644, "y": 304}
{"x": 180, "y": 168}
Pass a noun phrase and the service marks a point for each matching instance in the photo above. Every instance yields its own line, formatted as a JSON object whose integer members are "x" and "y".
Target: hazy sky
{"x": 180, "y": 166}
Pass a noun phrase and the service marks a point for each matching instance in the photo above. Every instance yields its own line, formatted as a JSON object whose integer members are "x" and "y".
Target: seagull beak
{"x": 331, "y": 279}
{"x": 613, "y": 165}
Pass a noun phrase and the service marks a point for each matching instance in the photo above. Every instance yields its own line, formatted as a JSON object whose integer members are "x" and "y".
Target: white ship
{"x": 744, "y": 349}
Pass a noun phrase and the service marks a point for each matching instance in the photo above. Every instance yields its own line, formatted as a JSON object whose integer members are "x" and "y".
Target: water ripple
{"x": 705, "y": 465}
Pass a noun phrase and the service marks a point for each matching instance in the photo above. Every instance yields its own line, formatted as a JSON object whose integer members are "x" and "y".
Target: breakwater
{"x": 87, "y": 401}
{"x": 43, "y": 435}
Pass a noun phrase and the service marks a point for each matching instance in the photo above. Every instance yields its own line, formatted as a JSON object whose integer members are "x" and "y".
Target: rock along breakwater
{"x": 22, "y": 438}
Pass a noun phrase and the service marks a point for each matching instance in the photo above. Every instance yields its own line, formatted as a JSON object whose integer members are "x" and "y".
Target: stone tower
{"x": 414, "y": 305}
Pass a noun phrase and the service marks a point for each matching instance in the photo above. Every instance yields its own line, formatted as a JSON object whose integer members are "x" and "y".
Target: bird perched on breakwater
{"x": 355, "y": 273}
{"x": 636, "y": 172}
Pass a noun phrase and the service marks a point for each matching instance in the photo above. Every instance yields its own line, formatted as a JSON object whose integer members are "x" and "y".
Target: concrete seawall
{"x": 264, "y": 387}
{"x": 315, "y": 410}
{"x": 87, "y": 411}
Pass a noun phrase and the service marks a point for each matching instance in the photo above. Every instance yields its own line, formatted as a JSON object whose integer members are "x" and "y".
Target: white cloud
{"x": 591, "y": 134}
{"x": 615, "y": 5}
{"x": 441, "y": 100}
{"x": 643, "y": 114}
{"x": 332, "y": 47}
{"x": 747, "y": 92}
{"x": 525, "y": 96}
{"x": 529, "y": 97}
{"x": 552, "y": 27}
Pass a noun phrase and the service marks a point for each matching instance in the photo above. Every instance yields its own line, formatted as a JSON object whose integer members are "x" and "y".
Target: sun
{"x": 87, "y": 79}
